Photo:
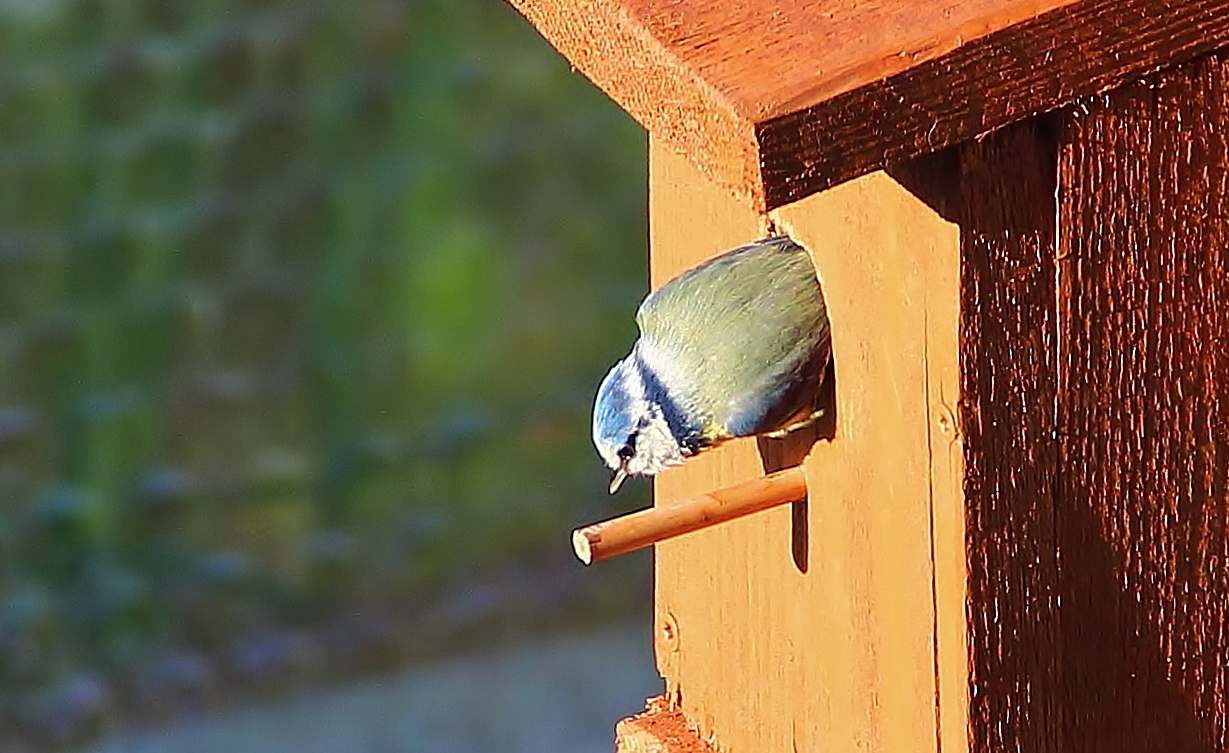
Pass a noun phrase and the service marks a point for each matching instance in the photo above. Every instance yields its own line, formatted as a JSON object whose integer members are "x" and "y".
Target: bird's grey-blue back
{"x": 733, "y": 347}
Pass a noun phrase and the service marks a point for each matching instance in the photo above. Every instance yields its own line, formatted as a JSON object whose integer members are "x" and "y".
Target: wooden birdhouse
{"x": 1016, "y": 537}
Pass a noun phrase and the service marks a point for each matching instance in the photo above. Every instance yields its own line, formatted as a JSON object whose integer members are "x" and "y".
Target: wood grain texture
{"x": 781, "y": 98}
{"x": 653, "y": 525}
{"x": 1095, "y": 358}
{"x": 1034, "y": 66}
{"x": 1008, "y": 338}
{"x": 658, "y": 729}
{"x": 610, "y": 43}
{"x": 1144, "y": 297}
{"x": 844, "y": 650}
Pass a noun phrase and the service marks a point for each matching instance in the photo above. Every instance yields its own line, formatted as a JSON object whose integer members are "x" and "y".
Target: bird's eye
{"x": 629, "y": 449}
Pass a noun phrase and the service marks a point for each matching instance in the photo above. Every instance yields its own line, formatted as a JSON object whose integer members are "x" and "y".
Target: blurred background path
{"x": 558, "y": 696}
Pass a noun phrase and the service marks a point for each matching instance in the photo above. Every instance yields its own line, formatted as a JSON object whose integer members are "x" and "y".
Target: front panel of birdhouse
{"x": 837, "y": 624}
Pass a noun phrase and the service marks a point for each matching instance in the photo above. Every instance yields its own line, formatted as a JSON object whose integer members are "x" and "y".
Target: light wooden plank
{"x": 839, "y": 651}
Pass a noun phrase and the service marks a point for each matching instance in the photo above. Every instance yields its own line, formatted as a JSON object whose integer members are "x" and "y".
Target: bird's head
{"x": 630, "y": 428}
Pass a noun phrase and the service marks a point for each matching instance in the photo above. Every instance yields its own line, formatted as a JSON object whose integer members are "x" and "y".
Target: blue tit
{"x": 735, "y": 347}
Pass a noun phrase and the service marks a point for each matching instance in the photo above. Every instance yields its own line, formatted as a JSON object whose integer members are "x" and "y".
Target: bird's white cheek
{"x": 656, "y": 450}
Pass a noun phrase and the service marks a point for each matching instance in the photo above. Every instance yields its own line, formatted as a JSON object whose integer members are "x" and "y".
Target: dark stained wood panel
{"x": 1144, "y": 419}
{"x": 777, "y": 99}
{"x": 1009, "y": 401}
{"x": 1095, "y": 411}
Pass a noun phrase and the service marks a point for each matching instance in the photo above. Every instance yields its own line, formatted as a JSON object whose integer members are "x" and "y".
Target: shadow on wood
{"x": 1095, "y": 521}
{"x": 789, "y": 451}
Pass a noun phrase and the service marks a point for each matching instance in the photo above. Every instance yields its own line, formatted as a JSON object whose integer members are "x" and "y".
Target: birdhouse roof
{"x": 778, "y": 99}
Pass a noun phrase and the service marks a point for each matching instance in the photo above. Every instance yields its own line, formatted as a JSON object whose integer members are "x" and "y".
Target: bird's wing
{"x": 739, "y": 331}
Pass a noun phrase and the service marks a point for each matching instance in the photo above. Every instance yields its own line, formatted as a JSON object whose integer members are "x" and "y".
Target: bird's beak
{"x": 619, "y": 477}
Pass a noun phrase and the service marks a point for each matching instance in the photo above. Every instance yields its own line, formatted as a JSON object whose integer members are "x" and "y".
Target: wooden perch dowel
{"x": 643, "y": 528}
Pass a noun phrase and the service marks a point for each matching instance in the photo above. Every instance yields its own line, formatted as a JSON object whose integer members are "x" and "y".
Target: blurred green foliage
{"x": 302, "y": 307}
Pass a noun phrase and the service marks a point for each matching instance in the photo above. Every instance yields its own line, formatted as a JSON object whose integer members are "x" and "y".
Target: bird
{"x": 734, "y": 347}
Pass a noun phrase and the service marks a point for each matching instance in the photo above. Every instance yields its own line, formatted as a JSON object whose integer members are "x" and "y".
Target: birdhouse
{"x": 1015, "y": 534}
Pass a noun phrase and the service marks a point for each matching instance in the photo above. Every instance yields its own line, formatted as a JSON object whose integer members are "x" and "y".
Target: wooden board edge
{"x": 658, "y": 729}
{"x": 897, "y": 54}
{"x": 621, "y": 57}
{"x": 1074, "y": 51}
{"x": 950, "y": 572}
